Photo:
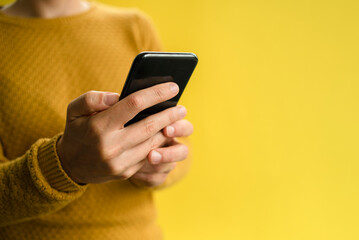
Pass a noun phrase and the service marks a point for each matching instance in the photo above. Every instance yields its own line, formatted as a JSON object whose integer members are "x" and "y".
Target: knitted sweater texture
{"x": 45, "y": 64}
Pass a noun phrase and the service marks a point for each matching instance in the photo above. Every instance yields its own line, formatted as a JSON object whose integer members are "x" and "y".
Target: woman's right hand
{"x": 96, "y": 147}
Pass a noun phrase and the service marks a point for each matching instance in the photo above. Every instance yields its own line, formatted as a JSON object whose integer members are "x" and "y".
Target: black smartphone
{"x": 151, "y": 68}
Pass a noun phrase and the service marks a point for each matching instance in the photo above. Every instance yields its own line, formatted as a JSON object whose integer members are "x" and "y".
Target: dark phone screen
{"x": 151, "y": 68}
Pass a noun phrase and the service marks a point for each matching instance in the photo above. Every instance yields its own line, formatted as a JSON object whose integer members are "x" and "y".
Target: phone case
{"x": 151, "y": 68}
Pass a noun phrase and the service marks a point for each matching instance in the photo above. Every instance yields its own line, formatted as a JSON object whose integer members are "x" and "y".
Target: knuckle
{"x": 153, "y": 143}
{"x": 119, "y": 149}
{"x": 117, "y": 170}
{"x": 150, "y": 125}
{"x": 157, "y": 141}
{"x": 135, "y": 101}
{"x": 172, "y": 115}
{"x": 71, "y": 107}
{"x": 159, "y": 93}
{"x": 94, "y": 127}
{"x": 126, "y": 175}
{"x": 90, "y": 98}
{"x": 107, "y": 154}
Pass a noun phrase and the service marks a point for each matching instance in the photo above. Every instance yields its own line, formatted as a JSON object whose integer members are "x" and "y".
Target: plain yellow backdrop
{"x": 275, "y": 105}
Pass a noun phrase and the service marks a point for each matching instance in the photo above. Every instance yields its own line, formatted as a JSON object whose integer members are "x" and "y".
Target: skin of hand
{"x": 150, "y": 173}
{"x": 96, "y": 147}
{"x": 161, "y": 161}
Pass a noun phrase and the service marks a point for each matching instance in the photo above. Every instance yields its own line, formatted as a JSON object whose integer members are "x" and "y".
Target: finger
{"x": 181, "y": 128}
{"x": 140, "y": 151}
{"x": 146, "y": 128}
{"x": 149, "y": 180}
{"x": 129, "y": 107}
{"x": 174, "y": 153}
{"x": 158, "y": 168}
{"x": 91, "y": 102}
{"x": 131, "y": 170}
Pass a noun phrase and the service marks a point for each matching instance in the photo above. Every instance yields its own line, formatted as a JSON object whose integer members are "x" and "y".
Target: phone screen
{"x": 151, "y": 68}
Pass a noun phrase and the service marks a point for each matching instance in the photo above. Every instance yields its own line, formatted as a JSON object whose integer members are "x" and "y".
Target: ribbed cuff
{"x": 51, "y": 168}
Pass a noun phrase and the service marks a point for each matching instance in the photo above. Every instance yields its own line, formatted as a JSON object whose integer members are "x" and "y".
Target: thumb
{"x": 91, "y": 102}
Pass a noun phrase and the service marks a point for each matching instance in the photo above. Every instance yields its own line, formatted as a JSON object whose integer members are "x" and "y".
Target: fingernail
{"x": 155, "y": 157}
{"x": 110, "y": 98}
{"x": 170, "y": 130}
{"x": 174, "y": 87}
{"x": 182, "y": 111}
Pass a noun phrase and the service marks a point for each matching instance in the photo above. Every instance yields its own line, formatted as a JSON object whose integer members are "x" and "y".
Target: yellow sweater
{"x": 44, "y": 64}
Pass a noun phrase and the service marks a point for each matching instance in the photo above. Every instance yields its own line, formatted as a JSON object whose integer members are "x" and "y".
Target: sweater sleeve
{"x": 34, "y": 184}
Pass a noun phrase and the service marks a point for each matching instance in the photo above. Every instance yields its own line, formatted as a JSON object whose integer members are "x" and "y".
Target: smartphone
{"x": 151, "y": 68}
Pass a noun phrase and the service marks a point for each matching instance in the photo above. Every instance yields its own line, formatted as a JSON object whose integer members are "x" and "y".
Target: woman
{"x": 69, "y": 169}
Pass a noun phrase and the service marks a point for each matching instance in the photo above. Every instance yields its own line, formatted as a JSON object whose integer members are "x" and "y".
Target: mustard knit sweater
{"x": 44, "y": 64}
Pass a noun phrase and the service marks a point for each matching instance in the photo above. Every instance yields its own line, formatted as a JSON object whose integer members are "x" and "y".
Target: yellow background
{"x": 274, "y": 102}
{"x": 275, "y": 105}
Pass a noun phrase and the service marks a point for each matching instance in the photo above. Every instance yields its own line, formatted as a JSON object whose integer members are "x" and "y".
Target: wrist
{"x": 63, "y": 161}
{"x": 50, "y": 167}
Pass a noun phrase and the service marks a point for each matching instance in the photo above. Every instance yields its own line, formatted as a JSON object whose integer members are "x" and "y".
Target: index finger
{"x": 126, "y": 109}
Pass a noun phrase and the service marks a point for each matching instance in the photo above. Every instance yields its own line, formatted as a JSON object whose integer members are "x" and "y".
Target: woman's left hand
{"x": 161, "y": 161}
